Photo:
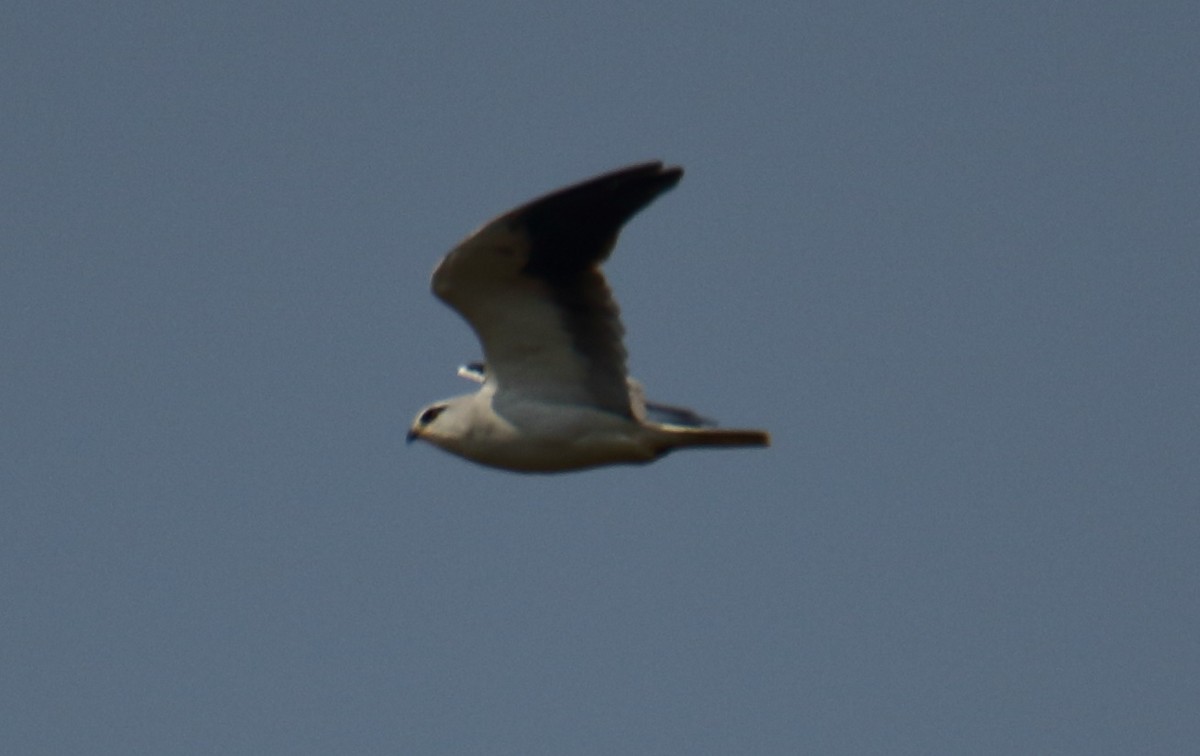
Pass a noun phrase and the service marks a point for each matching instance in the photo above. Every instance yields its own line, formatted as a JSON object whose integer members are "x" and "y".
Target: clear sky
{"x": 946, "y": 252}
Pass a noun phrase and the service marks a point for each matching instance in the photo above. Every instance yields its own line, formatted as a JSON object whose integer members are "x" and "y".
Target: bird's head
{"x": 440, "y": 424}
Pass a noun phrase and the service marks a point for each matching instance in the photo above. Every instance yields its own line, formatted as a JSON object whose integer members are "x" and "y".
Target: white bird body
{"x": 567, "y": 436}
{"x": 555, "y": 393}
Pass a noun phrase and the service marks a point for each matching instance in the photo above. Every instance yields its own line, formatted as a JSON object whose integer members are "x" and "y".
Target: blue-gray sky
{"x": 946, "y": 253}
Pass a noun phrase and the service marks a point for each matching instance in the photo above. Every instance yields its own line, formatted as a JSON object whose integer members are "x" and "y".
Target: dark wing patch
{"x": 574, "y": 229}
{"x": 570, "y": 232}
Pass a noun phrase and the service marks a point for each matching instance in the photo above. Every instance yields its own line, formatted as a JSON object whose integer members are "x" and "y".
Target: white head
{"x": 444, "y": 423}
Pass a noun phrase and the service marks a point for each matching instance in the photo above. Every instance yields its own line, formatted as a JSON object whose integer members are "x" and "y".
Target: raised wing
{"x": 530, "y": 285}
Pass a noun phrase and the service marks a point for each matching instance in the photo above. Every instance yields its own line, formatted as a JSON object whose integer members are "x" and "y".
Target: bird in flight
{"x": 554, "y": 393}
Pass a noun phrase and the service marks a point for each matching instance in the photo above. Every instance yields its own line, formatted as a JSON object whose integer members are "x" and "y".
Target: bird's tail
{"x": 679, "y": 436}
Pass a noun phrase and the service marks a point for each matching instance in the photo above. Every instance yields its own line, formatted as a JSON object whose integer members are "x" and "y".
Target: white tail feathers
{"x": 677, "y": 437}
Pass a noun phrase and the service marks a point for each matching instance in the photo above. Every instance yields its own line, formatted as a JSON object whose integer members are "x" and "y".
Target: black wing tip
{"x": 639, "y": 183}
{"x": 647, "y": 168}
{"x": 572, "y": 229}
{"x": 653, "y": 173}
{"x": 651, "y": 178}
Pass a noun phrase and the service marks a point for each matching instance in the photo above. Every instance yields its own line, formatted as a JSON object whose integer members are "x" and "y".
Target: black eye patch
{"x": 429, "y": 415}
